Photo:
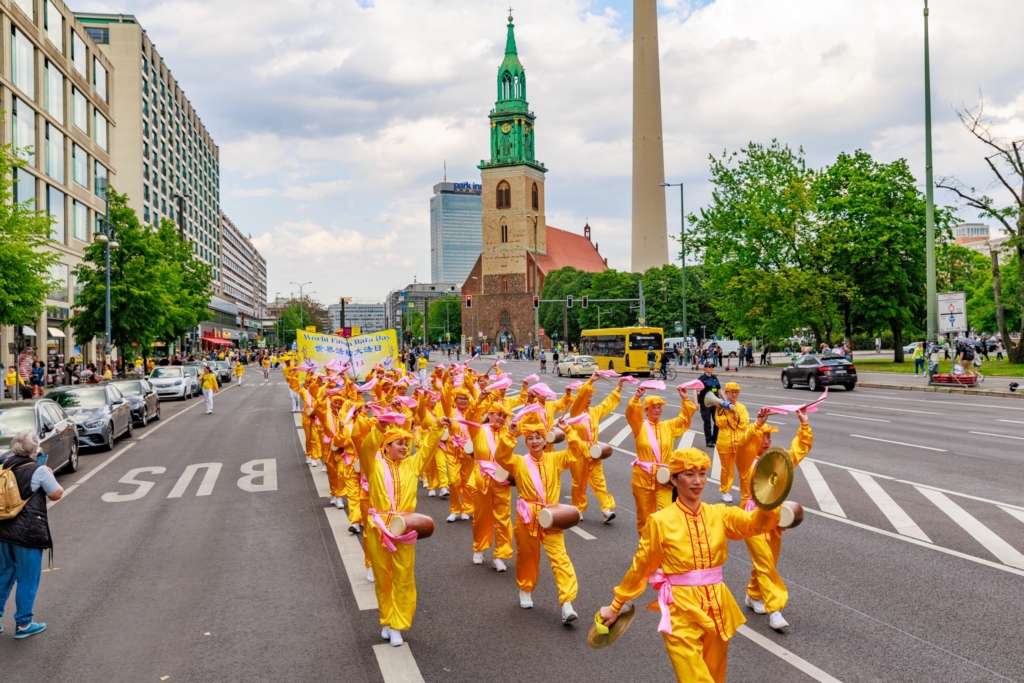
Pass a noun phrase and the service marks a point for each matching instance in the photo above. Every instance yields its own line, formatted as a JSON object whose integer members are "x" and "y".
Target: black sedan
{"x": 58, "y": 440}
{"x": 101, "y": 413}
{"x": 815, "y": 371}
{"x": 143, "y": 399}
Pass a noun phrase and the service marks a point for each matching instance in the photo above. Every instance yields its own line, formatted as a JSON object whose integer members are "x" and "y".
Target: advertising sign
{"x": 362, "y": 351}
{"x": 952, "y": 312}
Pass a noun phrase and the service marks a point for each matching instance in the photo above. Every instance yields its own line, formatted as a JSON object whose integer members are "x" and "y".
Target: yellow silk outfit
{"x": 434, "y": 470}
{"x": 530, "y": 536}
{"x": 677, "y": 540}
{"x": 314, "y": 389}
{"x": 734, "y": 430}
{"x": 585, "y": 469}
{"x": 492, "y": 502}
{"x": 345, "y": 452}
{"x": 766, "y": 584}
{"x": 460, "y": 464}
{"x": 647, "y": 492}
{"x": 393, "y": 571}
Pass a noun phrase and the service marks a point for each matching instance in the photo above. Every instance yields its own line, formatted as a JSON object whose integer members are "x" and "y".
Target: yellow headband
{"x": 532, "y": 423}
{"x": 395, "y": 434}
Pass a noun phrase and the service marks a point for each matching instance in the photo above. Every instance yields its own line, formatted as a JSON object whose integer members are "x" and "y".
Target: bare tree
{"x": 1005, "y": 161}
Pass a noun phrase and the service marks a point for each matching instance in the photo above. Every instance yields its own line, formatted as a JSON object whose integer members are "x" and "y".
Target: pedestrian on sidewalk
{"x": 919, "y": 358}
{"x": 14, "y": 383}
{"x": 208, "y": 381}
{"x": 878, "y": 344}
{"x": 24, "y": 529}
{"x": 711, "y": 384}
{"x": 239, "y": 371}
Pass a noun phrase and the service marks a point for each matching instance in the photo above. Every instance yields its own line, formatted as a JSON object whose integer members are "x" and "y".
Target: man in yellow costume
{"x": 585, "y": 469}
{"x": 655, "y": 439}
{"x": 682, "y": 549}
{"x": 734, "y": 430}
{"x": 766, "y": 593}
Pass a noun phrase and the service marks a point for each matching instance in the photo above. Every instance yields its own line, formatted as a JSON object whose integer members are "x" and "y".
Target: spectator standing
{"x": 13, "y": 382}
{"x": 266, "y": 369}
{"x": 25, "y": 535}
{"x": 543, "y": 361}
{"x": 37, "y": 378}
{"x": 999, "y": 349}
{"x": 878, "y": 344}
{"x": 652, "y": 357}
{"x": 919, "y": 358}
{"x": 711, "y": 384}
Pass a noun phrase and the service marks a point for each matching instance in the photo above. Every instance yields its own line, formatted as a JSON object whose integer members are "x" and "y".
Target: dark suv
{"x": 814, "y": 372}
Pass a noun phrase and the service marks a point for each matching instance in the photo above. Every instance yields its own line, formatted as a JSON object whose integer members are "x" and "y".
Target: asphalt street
{"x": 908, "y": 567}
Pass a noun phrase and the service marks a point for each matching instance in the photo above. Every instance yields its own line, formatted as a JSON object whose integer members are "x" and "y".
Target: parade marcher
{"x": 538, "y": 481}
{"x": 455, "y": 404}
{"x": 682, "y": 550}
{"x": 492, "y": 499}
{"x": 734, "y": 430}
{"x": 655, "y": 440}
{"x": 766, "y": 593}
{"x": 210, "y": 385}
{"x": 585, "y": 469}
{"x": 239, "y": 371}
{"x": 707, "y": 415}
{"x": 266, "y": 369}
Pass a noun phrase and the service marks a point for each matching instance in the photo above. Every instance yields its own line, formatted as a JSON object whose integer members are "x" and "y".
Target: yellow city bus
{"x": 623, "y": 349}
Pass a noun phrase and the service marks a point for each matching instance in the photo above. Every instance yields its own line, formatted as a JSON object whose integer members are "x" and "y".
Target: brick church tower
{"x": 515, "y": 244}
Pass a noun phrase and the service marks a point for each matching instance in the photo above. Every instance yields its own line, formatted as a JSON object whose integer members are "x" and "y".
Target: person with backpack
{"x": 970, "y": 361}
{"x": 25, "y": 486}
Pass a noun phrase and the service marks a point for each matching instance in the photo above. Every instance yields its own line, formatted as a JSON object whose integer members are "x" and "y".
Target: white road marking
{"x": 129, "y": 478}
{"x": 1016, "y": 422}
{"x": 716, "y": 465}
{"x": 686, "y": 440}
{"x": 621, "y": 436}
{"x": 899, "y": 443}
{"x": 1006, "y": 553}
{"x": 298, "y": 419}
{"x": 1019, "y": 514}
{"x": 608, "y": 420}
{"x": 957, "y": 493}
{"x": 165, "y": 420}
{"x": 1001, "y": 436}
{"x": 943, "y": 402}
{"x": 351, "y": 550}
{"x": 397, "y": 665}
{"x": 205, "y": 487}
{"x": 581, "y": 533}
{"x": 893, "y": 512}
{"x": 267, "y": 474}
{"x": 888, "y": 409}
{"x": 852, "y": 469}
{"x": 773, "y": 422}
{"x": 826, "y": 501}
{"x": 858, "y": 417}
{"x": 786, "y": 656}
{"x": 112, "y": 458}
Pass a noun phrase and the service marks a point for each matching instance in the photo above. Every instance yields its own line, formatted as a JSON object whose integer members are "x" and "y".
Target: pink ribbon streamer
{"x": 407, "y": 401}
{"x": 392, "y": 418}
{"x": 503, "y": 383}
{"x": 792, "y": 407}
{"x": 629, "y": 379}
{"x": 582, "y": 417}
{"x": 607, "y": 373}
{"x": 542, "y": 389}
{"x": 532, "y": 408}
{"x": 499, "y": 362}
{"x": 575, "y": 385}
{"x": 656, "y": 384}
{"x": 531, "y": 378}
{"x": 663, "y": 583}
{"x": 692, "y": 384}
{"x": 369, "y": 385}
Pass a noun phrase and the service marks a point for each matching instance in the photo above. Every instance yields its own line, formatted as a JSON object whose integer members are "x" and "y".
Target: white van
{"x": 730, "y": 347}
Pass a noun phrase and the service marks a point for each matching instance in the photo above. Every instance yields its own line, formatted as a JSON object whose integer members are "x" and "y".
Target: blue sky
{"x": 334, "y": 117}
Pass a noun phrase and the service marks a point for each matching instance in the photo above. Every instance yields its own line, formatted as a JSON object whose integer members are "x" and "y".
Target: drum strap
{"x": 652, "y": 439}
{"x": 388, "y": 539}
{"x": 663, "y": 583}
{"x": 522, "y": 505}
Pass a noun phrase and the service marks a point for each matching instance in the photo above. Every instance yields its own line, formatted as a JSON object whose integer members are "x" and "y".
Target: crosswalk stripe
{"x": 397, "y": 665}
{"x": 608, "y": 420}
{"x": 686, "y": 440}
{"x": 1006, "y": 553}
{"x": 822, "y": 493}
{"x": 621, "y": 436}
{"x": 351, "y": 551}
{"x": 893, "y": 512}
{"x": 716, "y": 466}
{"x": 898, "y": 443}
{"x": 298, "y": 419}
{"x": 1001, "y": 436}
{"x": 582, "y": 534}
{"x": 785, "y": 655}
{"x": 1019, "y": 514}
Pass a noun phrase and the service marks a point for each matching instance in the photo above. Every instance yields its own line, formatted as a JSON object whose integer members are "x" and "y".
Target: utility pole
{"x": 643, "y": 309}
{"x": 302, "y": 303}
{"x": 933, "y": 321}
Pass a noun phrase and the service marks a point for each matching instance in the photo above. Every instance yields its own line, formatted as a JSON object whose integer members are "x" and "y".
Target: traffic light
{"x": 568, "y": 301}
{"x": 469, "y": 301}
{"x": 536, "y": 302}
{"x": 585, "y": 297}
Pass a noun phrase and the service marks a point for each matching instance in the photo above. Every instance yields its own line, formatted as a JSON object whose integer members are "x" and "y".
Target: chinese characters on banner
{"x": 363, "y": 351}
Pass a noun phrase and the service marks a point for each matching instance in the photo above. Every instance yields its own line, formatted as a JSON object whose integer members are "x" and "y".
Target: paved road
{"x": 908, "y": 568}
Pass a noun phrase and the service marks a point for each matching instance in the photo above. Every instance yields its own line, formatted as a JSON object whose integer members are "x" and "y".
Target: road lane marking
{"x": 351, "y": 550}
{"x": 581, "y": 533}
{"x": 397, "y": 665}
{"x": 298, "y": 419}
{"x": 962, "y": 495}
{"x": 1001, "y": 436}
{"x": 826, "y": 500}
{"x": 1019, "y": 514}
{"x": 1006, "y": 553}
{"x": 1016, "y": 422}
{"x": 165, "y": 420}
{"x": 608, "y": 420}
{"x": 68, "y": 490}
{"x": 942, "y": 402}
{"x": 852, "y": 469}
{"x": 129, "y": 478}
{"x": 899, "y": 443}
{"x": 893, "y": 512}
{"x": 887, "y": 408}
{"x": 716, "y": 465}
{"x": 858, "y": 417}
{"x": 205, "y": 486}
{"x": 621, "y": 436}
{"x": 786, "y": 656}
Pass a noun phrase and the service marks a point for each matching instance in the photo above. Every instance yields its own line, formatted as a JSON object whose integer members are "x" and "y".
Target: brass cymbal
{"x": 599, "y": 641}
{"x": 773, "y": 478}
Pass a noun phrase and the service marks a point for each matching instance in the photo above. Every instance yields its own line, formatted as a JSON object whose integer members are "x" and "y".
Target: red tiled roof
{"x": 569, "y": 249}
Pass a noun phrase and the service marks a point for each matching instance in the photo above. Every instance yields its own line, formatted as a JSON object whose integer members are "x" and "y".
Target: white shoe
{"x": 443, "y": 493}
{"x": 424, "y": 484}
{"x": 452, "y": 517}
{"x": 385, "y": 633}
{"x": 609, "y": 515}
{"x": 755, "y": 605}
{"x": 568, "y": 613}
{"x": 333, "y": 499}
{"x": 581, "y": 516}
{"x": 499, "y": 565}
{"x": 431, "y": 493}
{"x": 355, "y": 528}
{"x": 525, "y": 599}
{"x": 209, "y": 412}
{"x": 726, "y": 497}
{"x": 777, "y": 621}
{"x": 464, "y": 517}
{"x": 369, "y": 577}
{"x": 309, "y": 460}
{"x": 396, "y": 638}
{"x": 323, "y": 467}
{"x": 478, "y": 558}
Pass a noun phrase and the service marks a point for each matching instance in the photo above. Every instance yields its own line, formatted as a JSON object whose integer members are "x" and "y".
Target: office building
{"x": 58, "y": 95}
{"x": 454, "y": 230}
{"x": 368, "y": 317}
{"x": 971, "y": 232}
{"x": 167, "y": 160}
{"x": 244, "y": 277}
{"x": 414, "y": 297}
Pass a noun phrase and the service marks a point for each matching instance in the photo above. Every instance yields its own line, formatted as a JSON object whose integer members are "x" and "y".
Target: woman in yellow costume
{"x": 585, "y": 469}
{"x": 655, "y": 439}
{"x": 492, "y": 499}
{"x": 455, "y": 404}
{"x": 682, "y": 549}
{"x": 734, "y": 430}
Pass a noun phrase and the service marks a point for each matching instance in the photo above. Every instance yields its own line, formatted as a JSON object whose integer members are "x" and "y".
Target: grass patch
{"x": 992, "y": 368}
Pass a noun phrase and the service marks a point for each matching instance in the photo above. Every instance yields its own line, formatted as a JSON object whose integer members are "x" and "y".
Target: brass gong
{"x": 773, "y": 478}
{"x": 600, "y": 641}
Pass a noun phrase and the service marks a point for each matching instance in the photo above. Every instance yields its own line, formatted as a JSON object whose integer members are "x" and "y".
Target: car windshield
{"x": 15, "y": 420}
{"x": 162, "y": 373}
{"x": 585, "y": 359}
{"x": 80, "y": 398}
{"x": 833, "y": 360}
{"x": 130, "y": 388}
{"x": 191, "y": 370}
{"x": 222, "y": 364}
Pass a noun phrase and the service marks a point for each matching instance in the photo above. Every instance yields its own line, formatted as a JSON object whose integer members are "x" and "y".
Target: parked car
{"x": 223, "y": 370}
{"x": 576, "y": 366}
{"x": 820, "y": 371}
{"x": 909, "y": 348}
{"x": 58, "y": 439}
{"x": 101, "y": 413}
{"x": 143, "y": 399}
{"x": 171, "y": 381}
{"x": 193, "y": 372}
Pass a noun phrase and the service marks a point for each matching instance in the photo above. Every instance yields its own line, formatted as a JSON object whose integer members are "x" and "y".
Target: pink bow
{"x": 629, "y": 379}
{"x": 692, "y": 384}
{"x": 575, "y": 385}
{"x": 531, "y": 378}
{"x": 369, "y": 385}
{"x": 582, "y": 417}
{"x": 542, "y": 389}
{"x": 504, "y": 383}
{"x": 607, "y": 373}
{"x": 788, "y": 408}
{"x": 406, "y": 401}
{"x": 532, "y": 408}
{"x": 392, "y": 418}
{"x": 499, "y": 362}
{"x": 663, "y": 583}
{"x": 656, "y": 384}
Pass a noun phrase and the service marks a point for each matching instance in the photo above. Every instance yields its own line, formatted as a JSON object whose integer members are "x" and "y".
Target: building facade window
{"x": 80, "y": 221}
{"x": 28, "y": 7}
{"x": 23, "y": 56}
{"x": 504, "y": 232}
{"x": 55, "y": 207}
{"x": 536, "y": 197}
{"x": 79, "y": 166}
{"x": 24, "y": 126}
{"x": 54, "y": 153}
{"x": 506, "y": 319}
{"x": 503, "y": 284}
{"x": 504, "y": 196}
{"x": 54, "y": 92}
{"x": 99, "y": 123}
{"x": 78, "y": 59}
{"x": 79, "y": 110}
{"x": 53, "y": 23}
{"x": 24, "y": 187}
{"x": 99, "y": 79}
{"x": 100, "y": 180}
{"x": 59, "y": 273}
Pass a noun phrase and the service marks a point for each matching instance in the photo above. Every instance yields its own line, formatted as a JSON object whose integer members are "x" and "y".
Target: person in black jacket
{"x": 711, "y": 384}
{"x": 24, "y": 537}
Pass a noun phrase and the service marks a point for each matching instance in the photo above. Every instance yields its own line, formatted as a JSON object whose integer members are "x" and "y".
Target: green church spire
{"x": 512, "y": 122}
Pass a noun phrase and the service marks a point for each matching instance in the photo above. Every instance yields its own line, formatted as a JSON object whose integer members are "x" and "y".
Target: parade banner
{"x": 363, "y": 351}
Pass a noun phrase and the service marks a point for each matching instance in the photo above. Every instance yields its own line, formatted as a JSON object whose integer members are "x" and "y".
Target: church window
{"x": 506, "y": 319}
{"x": 504, "y": 195}
{"x": 504, "y": 232}
{"x": 506, "y": 86}
{"x": 536, "y": 198}
{"x": 503, "y": 284}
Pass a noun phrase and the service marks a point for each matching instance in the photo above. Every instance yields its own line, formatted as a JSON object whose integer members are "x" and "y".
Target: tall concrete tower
{"x": 650, "y": 232}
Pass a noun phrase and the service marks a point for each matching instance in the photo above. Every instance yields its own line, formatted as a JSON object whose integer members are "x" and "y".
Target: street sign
{"x": 952, "y": 308}
{"x": 411, "y": 304}
{"x": 679, "y": 327}
{"x": 311, "y": 328}
{"x": 641, "y": 321}
{"x": 541, "y": 331}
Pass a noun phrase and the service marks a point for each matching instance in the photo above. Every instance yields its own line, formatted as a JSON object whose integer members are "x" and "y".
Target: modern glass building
{"x": 455, "y": 232}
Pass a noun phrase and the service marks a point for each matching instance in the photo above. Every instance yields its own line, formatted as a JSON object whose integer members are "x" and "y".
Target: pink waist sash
{"x": 523, "y": 508}
{"x": 488, "y": 468}
{"x": 646, "y": 466}
{"x": 388, "y": 539}
{"x": 663, "y": 583}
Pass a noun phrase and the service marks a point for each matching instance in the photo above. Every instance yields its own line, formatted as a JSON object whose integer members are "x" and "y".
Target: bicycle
{"x": 668, "y": 373}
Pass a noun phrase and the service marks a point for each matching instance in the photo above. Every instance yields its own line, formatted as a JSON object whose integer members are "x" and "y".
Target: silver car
{"x": 171, "y": 381}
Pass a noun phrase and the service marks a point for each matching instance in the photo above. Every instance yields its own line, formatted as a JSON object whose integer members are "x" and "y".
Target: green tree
{"x": 300, "y": 314}
{"x": 446, "y": 318}
{"x": 24, "y": 262}
{"x": 412, "y": 323}
{"x": 187, "y": 280}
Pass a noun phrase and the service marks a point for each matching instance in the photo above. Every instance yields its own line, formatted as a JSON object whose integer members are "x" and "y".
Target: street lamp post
{"x": 682, "y": 248}
{"x": 109, "y": 241}
{"x": 302, "y": 301}
{"x": 933, "y": 322}
{"x": 476, "y": 321}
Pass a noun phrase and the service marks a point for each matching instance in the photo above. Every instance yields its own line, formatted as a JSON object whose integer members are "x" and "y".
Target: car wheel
{"x": 849, "y": 387}
{"x": 72, "y": 464}
{"x": 145, "y": 416}
{"x": 558, "y": 371}
{"x": 109, "y": 445}
{"x": 130, "y": 429}
{"x": 812, "y": 383}
{"x": 156, "y": 415}
{"x": 786, "y": 384}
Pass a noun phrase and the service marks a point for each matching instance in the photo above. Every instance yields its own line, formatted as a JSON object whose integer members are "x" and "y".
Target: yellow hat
{"x": 732, "y": 386}
{"x": 499, "y": 407}
{"x": 532, "y": 423}
{"x": 651, "y": 400}
{"x": 396, "y": 434}
{"x": 688, "y": 459}
{"x": 462, "y": 391}
{"x": 769, "y": 429}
